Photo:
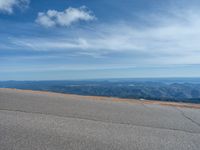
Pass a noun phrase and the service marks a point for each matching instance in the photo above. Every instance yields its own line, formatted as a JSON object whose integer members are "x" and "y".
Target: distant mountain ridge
{"x": 166, "y": 89}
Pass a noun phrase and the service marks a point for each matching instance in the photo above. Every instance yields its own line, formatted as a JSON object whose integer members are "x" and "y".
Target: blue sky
{"x": 84, "y": 39}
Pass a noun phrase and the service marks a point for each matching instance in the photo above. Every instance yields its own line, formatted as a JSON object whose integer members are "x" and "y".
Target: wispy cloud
{"x": 7, "y": 6}
{"x": 170, "y": 39}
{"x": 64, "y": 18}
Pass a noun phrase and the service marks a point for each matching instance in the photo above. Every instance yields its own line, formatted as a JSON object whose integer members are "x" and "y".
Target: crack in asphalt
{"x": 187, "y": 117}
{"x": 103, "y": 121}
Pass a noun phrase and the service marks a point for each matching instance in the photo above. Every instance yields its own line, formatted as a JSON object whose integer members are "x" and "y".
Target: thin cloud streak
{"x": 171, "y": 39}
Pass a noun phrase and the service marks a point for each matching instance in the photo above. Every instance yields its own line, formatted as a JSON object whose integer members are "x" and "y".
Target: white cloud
{"x": 7, "y": 6}
{"x": 173, "y": 39}
{"x": 65, "y": 18}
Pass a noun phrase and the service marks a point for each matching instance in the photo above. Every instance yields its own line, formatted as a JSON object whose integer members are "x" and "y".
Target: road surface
{"x": 49, "y": 121}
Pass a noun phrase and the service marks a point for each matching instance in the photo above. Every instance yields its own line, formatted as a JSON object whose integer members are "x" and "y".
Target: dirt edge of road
{"x": 113, "y": 99}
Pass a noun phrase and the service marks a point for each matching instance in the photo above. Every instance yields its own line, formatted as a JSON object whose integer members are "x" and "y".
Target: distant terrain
{"x": 162, "y": 89}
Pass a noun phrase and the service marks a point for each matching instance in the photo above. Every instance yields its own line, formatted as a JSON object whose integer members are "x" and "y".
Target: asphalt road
{"x": 48, "y": 121}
